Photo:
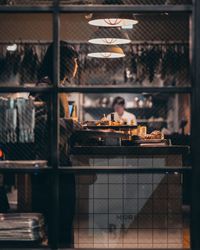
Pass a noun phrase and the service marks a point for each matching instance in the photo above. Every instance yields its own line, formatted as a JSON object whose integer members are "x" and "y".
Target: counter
{"x": 129, "y": 210}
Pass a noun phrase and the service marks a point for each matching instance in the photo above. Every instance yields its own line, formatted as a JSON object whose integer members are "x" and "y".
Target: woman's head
{"x": 119, "y": 105}
{"x": 68, "y": 63}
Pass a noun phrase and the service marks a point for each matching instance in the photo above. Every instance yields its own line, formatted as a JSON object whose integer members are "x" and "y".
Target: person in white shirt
{"x": 120, "y": 114}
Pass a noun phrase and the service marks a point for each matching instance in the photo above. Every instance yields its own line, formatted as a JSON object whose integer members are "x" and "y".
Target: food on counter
{"x": 142, "y": 131}
{"x": 155, "y": 135}
{"x": 103, "y": 122}
{"x": 89, "y": 123}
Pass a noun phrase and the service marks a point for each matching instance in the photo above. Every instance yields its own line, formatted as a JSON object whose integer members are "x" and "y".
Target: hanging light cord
{"x": 115, "y": 22}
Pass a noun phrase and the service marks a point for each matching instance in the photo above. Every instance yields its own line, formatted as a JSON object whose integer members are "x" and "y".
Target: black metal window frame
{"x": 54, "y": 91}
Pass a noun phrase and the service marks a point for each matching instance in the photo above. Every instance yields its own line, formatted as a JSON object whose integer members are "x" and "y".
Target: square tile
{"x": 85, "y": 179}
{"x": 100, "y": 237}
{"x": 116, "y": 161}
{"x": 84, "y": 191}
{"x": 115, "y": 222}
{"x": 83, "y": 245}
{"x": 130, "y": 246}
{"x": 145, "y": 178}
{"x": 100, "y": 206}
{"x": 117, "y": 245}
{"x": 174, "y": 160}
{"x": 130, "y": 236}
{"x": 159, "y": 161}
{"x": 160, "y": 221}
{"x": 145, "y": 236}
{"x": 130, "y": 161}
{"x": 175, "y": 236}
{"x": 130, "y": 221}
{"x": 115, "y": 191}
{"x": 115, "y": 178}
{"x": 130, "y": 191}
{"x": 101, "y": 191}
{"x": 174, "y": 178}
{"x": 145, "y": 206}
{"x": 175, "y": 206}
{"x": 175, "y": 246}
{"x": 85, "y": 236}
{"x": 159, "y": 178}
{"x": 145, "y": 162}
{"x": 174, "y": 191}
{"x": 85, "y": 206}
{"x": 101, "y": 221}
{"x": 116, "y": 238}
{"x": 145, "y": 246}
{"x": 145, "y": 191}
{"x": 160, "y": 246}
{"x": 85, "y": 221}
{"x": 145, "y": 221}
{"x": 130, "y": 206}
{"x": 175, "y": 221}
{"x": 115, "y": 206}
{"x": 130, "y": 178}
{"x": 159, "y": 236}
{"x": 101, "y": 179}
{"x": 160, "y": 206}
{"x": 101, "y": 162}
{"x": 160, "y": 191}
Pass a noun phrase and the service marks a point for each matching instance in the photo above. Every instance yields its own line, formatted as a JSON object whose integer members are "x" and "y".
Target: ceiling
{"x": 67, "y": 2}
{"x": 75, "y": 27}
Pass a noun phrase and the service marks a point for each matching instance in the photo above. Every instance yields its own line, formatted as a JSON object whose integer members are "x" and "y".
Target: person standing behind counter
{"x": 120, "y": 114}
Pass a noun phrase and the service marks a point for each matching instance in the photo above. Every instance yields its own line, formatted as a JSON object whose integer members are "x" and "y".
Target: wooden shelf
{"x": 120, "y": 89}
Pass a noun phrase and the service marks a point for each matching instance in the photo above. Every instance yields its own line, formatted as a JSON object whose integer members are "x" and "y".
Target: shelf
{"x": 147, "y": 121}
{"x": 87, "y": 170}
{"x": 130, "y": 150}
{"x": 120, "y": 89}
{"x": 22, "y": 89}
{"x": 96, "y": 89}
{"x": 26, "y": 9}
{"x": 23, "y": 245}
{"x": 127, "y": 8}
{"x": 25, "y": 170}
{"x": 109, "y": 110}
{"x": 99, "y": 8}
{"x": 123, "y": 170}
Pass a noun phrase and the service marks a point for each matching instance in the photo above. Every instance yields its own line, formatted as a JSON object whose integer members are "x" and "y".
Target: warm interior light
{"x": 106, "y": 52}
{"x": 109, "y": 41}
{"x": 12, "y": 47}
{"x": 109, "y": 36}
{"x": 106, "y": 55}
{"x": 113, "y": 22}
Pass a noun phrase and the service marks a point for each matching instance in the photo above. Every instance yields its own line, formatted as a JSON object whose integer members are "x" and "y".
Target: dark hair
{"x": 119, "y": 101}
{"x": 67, "y": 63}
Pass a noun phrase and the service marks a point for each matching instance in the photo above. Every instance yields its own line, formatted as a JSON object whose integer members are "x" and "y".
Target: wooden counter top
{"x": 130, "y": 150}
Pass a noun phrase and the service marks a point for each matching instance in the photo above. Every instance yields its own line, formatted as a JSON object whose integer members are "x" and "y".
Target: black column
{"x": 195, "y": 37}
{"x": 54, "y": 206}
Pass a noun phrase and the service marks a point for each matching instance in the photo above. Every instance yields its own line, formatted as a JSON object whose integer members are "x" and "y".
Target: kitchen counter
{"x": 129, "y": 209}
{"x": 131, "y": 150}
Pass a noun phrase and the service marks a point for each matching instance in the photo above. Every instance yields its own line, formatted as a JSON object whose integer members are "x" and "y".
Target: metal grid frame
{"x": 55, "y": 171}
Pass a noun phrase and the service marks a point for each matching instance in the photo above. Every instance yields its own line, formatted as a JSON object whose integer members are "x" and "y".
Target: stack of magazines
{"x": 22, "y": 227}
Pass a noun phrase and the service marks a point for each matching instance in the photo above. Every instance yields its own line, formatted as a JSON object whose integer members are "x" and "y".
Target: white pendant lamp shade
{"x": 109, "y": 36}
{"x": 112, "y": 20}
{"x": 106, "y": 52}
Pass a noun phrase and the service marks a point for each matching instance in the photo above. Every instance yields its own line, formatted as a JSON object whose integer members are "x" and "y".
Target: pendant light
{"x": 124, "y": 20}
{"x": 109, "y": 36}
{"x": 106, "y": 52}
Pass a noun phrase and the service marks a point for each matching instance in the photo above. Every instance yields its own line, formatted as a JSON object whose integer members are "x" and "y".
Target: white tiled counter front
{"x": 129, "y": 210}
